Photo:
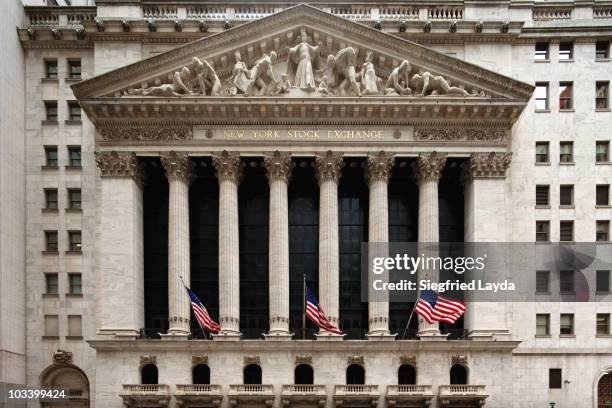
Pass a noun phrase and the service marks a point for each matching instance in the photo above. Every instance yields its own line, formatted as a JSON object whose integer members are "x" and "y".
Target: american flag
{"x": 434, "y": 308}
{"x": 315, "y": 313}
{"x": 201, "y": 314}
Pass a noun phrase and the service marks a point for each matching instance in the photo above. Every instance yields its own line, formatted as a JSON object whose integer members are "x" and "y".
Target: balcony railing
{"x": 251, "y": 389}
{"x": 603, "y": 12}
{"x": 414, "y": 394}
{"x": 198, "y": 395}
{"x": 303, "y": 394}
{"x": 198, "y": 389}
{"x": 149, "y": 395}
{"x": 557, "y": 13}
{"x": 445, "y": 13}
{"x": 451, "y": 394}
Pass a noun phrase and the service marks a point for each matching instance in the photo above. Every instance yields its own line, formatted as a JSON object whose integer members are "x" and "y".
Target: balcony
{"x": 409, "y": 395}
{"x": 145, "y": 395}
{"x": 306, "y": 395}
{"x": 252, "y": 395}
{"x": 462, "y": 395}
{"x": 356, "y": 395}
{"x": 198, "y": 395}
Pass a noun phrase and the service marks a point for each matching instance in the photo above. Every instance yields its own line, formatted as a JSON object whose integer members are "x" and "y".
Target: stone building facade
{"x": 160, "y": 143}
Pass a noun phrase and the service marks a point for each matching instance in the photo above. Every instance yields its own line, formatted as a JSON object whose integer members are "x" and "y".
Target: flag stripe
{"x": 201, "y": 314}
{"x": 435, "y": 308}
{"x": 315, "y": 314}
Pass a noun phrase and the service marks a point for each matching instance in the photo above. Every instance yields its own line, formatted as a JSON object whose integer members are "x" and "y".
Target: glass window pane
{"x": 602, "y": 283}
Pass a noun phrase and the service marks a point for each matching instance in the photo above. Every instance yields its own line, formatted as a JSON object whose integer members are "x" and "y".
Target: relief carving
{"x": 356, "y": 360}
{"x": 278, "y": 166}
{"x": 429, "y": 166}
{"x": 459, "y": 359}
{"x": 300, "y": 65}
{"x": 176, "y": 165}
{"x": 461, "y": 134}
{"x": 341, "y": 73}
{"x": 408, "y": 359}
{"x": 228, "y": 166}
{"x": 146, "y": 134}
{"x": 147, "y": 359}
{"x": 202, "y": 359}
{"x": 486, "y": 165}
{"x": 262, "y": 80}
{"x": 379, "y": 166}
{"x": 252, "y": 360}
{"x": 303, "y": 360}
{"x": 114, "y": 164}
{"x": 62, "y": 357}
{"x": 328, "y": 166}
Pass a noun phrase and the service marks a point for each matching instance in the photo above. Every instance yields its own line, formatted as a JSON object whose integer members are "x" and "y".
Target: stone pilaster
{"x": 378, "y": 172}
{"x": 119, "y": 245}
{"x": 328, "y": 170}
{"x": 428, "y": 170}
{"x": 178, "y": 170}
{"x": 278, "y": 171}
{"x": 229, "y": 173}
{"x": 485, "y": 210}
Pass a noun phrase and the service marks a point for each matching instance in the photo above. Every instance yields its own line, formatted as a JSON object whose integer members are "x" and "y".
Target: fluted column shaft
{"x": 428, "y": 171}
{"x": 229, "y": 173}
{"x": 178, "y": 172}
{"x": 278, "y": 167}
{"x": 328, "y": 168}
{"x": 378, "y": 172}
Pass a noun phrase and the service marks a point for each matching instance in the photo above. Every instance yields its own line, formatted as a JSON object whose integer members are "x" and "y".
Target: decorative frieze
{"x": 408, "y": 359}
{"x": 252, "y": 360}
{"x": 278, "y": 166}
{"x": 176, "y": 165}
{"x": 328, "y": 166}
{"x": 62, "y": 357}
{"x": 228, "y": 165}
{"x": 356, "y": 360}
{"x": 379, "y": 166}
{"x": 114, "y": 164}
{"x": 201, "y": 359}
{"x": 488, "y": 165}
{"x": 459, "y": 359}
{"x": 461, "y": 134}
{"x": 303, "y": 360}
{"x": 428, "y": 166}
{"x": 147, "y": 359}
{"x": 147, "y": 134}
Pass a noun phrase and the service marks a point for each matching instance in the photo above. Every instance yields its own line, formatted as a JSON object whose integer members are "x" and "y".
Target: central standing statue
{"x": 301, "y": 59}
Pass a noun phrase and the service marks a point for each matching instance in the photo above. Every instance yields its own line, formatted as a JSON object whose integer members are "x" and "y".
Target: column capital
{"x": 114, "y": 164}
{"x": 328, "y": 166}
{"x": 176, "y": 165}
{"x": 278, "y": 166}
{"x": 228, "y": 166}
{"x": 379, "y": 166}
{"x": 428, "y": 166}
{"x": 489, "y": 165}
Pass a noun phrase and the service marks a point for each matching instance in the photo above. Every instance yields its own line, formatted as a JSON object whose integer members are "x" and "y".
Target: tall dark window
{"x": 253, "y": 218}
{"x": 51, "y": 69}
{"x": 155, "y": 214}
{"x": 200, "y": 374}
{"x": 542, "y": 281}
{"x": 602, "y": 49}
{"x": 51, "y": 156}
{"x": 458, "y": 374}
{"x": 602, "y": 94}
{"x": 541, "y": 51}
{"x": 355, "y": 374}
{"x": 543, "y": 195}
{"x": 353, "y": 229}
{"x": 303, "y": 243}
{"x": 252, "y": 374}
{"x": 602, "y": 281}
{"x": 204, "y": 236}
{"x": 567, "y": 281}
{"x": 406, "y": 374}
{"x": 303, "y": 374}
{"x": 566, "y": 50}
{"x": 554, "y": 378}
{"x": 541, "y": 95}
{"x": 148, "y": 374}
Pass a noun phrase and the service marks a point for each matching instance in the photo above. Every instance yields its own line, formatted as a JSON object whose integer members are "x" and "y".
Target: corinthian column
{"x": 178, "y": 171}
{"x": 328, "y": 166}
{"x": 278, "y": 167}
{"x": 378, "y": 172}
{"x": 229, "y": 173}
{"x": 428, "y": 168}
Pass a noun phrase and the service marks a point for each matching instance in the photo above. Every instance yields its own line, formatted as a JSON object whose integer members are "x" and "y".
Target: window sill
{"x": 567, "y": 293}
{"x": 50, "y": 295}
{"x": 567, "y": 110}
{"x": 73, "y": 252}
{"x": 542, "y": 163}
{"x": 45, "y": 167}
{"x": 543, "y": 293}
{"x": 49, "y": 122}
{"x": 603, "y": 336}
{"x": 542, "y": 111}
{"x": 602, "y": 293}
{"x": 567, "y": 207}
{"x": 49, "y": 79}
{"x": 602, "y": 110}
{"x": 74, "y": 295}
{"x": 572, "y": 242}
{"x": 68, "y": 167}
{"x": 73, "y": 122}
{"x": 567, "y": 336}
{"x": 50, "y": 210}
{"x": 602, "y": 163}
{"x": 543, "y": 336}
{"x": 543, "y": 242}
{"x": 50, "y": 337}
{"x": 74, "y": 337}
{"x": 73, "y": 79}
{"x": 606, "y": 242}
{"x": 602, "y": 59}
{"x": 542, "y": 61}
{"x": 50, "y": 252}
{"x": 603, "y": 206}
{"x": 567, "y": 163}
{"x": 74, "y": 210}
{"x": 567, "y": 60}
{"x": 542, "y": 207}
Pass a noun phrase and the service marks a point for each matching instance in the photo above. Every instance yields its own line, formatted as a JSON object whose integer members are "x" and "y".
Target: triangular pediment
{"x": 271, "y": 38}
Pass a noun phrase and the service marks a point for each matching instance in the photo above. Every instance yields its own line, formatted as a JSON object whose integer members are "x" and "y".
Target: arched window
{"x": 406, "y": 374}
{"x": 458, "y": 374}
{"x": 252, "y": 374}
{"x": 69, "y": 377}
{"x": 355, "y": 374}
{"x": 148, "y": 374}
{"x": 303, "y": 374}
{"x": 604, "y": 391}
{"x": 201, "y": 374}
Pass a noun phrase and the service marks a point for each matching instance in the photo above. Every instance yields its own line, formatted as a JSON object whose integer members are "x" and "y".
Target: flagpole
{"x": 304, "y": 308}
{"x": 412, "y": 313}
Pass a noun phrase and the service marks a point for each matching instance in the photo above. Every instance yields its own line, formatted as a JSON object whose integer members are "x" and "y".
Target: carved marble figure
{"x": 262, "y": 80}
{"x": 370, "y": 83}
{"x": 428, "y": 84}
{"x": 240, "y": 75}
{"x": 300, "y": 63}
{"x": 341, "y": 71}
{"x": 397, "y": 83}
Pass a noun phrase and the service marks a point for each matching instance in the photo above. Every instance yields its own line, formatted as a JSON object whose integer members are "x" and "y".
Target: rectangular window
{"x": 74, "y": 156}
{"x": 74, "y": 241}
{"x": 602, "y": 50}
{"x": 51, "y": 69}
{"x": 74, "y": 69}
{"x": 602, "y": 194}
{"x": 542, "y": 281}
{"x": 51, "y": 156}
{"x": 603, "y": 324}
{"x": 74, "y": 326}
{"x": 566, "y": 194}
{"x": 566, "y": 324}
{"x": 602, "y": 95}
{"x": 542, "y": 325}
{"x": 51, "y": 328}
{"x": 542, "y": 195}
{"x": 542, "y": 231}
{"x": 542, "y": 152}
{"x": 567, "y": 282}
{"x": 602, "y": 281}
{"x": 541, "y": 51}
{"x": 51, "y": 241}
{"x": 51, "y": 198}
{"x": 51, "y": 286}
{"x": 74, "y": 198}
{"x": 554, "y": 378}
{"x": 566, "y": 231}
{"x": 74, "y": 111}
{"x": 541, "y": 95}
{"x": 566, "y": 95}
{"x": 51, "y": 111}
{"x": 566, "y": 51}
{"x": 602, "y": 151}
{"x": 74, "y": 284}
{"x": 566, "y": 152}
{"x": 603, "y": 231}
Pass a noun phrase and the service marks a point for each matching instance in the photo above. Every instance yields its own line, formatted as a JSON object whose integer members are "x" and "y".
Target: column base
{"x": 121, "y": 333}
{"x": 381, "y": 335}
{"x": 278, "y": 336}
{"x": 432, "y": 336}
{"x": 227, "y": 336}
{"x": 175, "y": 336}
{"x": 326, "y": 336}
